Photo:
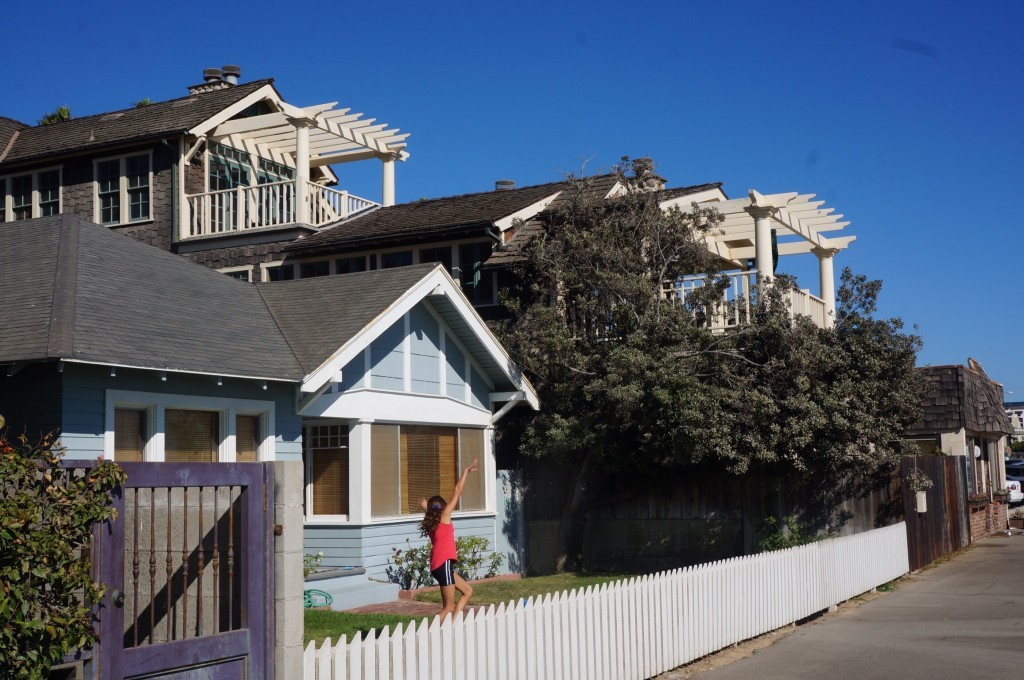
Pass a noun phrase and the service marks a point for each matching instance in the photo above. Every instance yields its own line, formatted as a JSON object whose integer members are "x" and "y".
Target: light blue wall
{"x": 352, "y": 376}
{"x": 455, "y": 369}
{"x": 386, "y": 360}
{"x": 372, "y": 546}
{"x": 425, "y": 351}
{"x": 480, "y": 390}
{"x": 84, "y": 406}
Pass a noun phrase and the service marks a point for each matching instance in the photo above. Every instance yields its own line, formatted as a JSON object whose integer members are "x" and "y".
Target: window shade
{"x": 129, "y": 434}
{"x": 384, "y": 468}
{"x": 328, "y": 448}
{"x": 247, "y": 435}
{"x": 471, "y": 445}
{"x": 190, "y": 436}
{"x": 428, "y": 464}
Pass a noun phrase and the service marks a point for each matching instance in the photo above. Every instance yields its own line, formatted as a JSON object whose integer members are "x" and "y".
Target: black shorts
{"x": 445, "y": 574}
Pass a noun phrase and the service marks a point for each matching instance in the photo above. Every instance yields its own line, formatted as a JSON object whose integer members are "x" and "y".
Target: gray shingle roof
{"x": 118, "y": 127}
{"x": 960, "y": 397}
{"x": 319, "y": 315}
{"x": 421, "y": 220}
{"x": 77, "y": 291}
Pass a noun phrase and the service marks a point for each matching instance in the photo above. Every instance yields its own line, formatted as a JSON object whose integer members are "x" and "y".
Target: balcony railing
{"x": 734, "y": 307}
{"x": 267, "y": 205}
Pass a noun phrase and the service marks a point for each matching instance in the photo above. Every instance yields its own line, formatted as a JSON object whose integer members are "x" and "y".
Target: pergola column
{"x": 826, "y": 277}
{"x": 302, "y": 126}
{"x": 388, "y": 181}
{"x": 762, "y": 242}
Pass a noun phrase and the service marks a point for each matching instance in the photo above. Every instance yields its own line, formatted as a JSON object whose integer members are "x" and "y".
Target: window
{"x": 241, "y": 273}
{"x": 185, "y": 428}
{"x": 34, "y": 194}
{"x": 411, "y": 462}
{"x": 402, "y": 258}
{"x": 284, "y": 272}
{"x": 349, "y": 265}
{"x": 312, "y": 269}
{"x": 327, "y": 465}
{"x": 442, "y": 254}
{"x": 477, "y": 282}
{"x": 124, "y": 189}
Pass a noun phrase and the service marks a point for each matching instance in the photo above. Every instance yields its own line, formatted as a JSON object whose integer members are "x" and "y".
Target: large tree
{"x": 631, "y": 382}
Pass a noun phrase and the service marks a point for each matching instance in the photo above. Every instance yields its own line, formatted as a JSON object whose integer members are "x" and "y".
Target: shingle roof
{"x": 74, "y": 290}
{"x": 117, "y": 127}
{"x": 354, "y": 301}
{"x": 8, "y": 128}
{"x": 425, "y": 219}
{"x": 960, "y": 397}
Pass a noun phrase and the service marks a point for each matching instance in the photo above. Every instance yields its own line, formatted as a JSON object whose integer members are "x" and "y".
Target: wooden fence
{"x": 944, "y": 528}
{"x": 635, "y": 628}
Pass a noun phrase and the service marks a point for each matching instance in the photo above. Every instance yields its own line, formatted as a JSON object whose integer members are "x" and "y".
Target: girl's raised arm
{"x": 446, "y": 514}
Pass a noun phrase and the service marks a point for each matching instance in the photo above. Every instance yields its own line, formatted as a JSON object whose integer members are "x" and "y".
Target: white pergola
{"x": 306, "y": 137}
{"x": 799, "y": 223}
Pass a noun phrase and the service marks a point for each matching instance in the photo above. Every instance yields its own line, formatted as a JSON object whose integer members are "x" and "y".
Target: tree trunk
{"x": 571, "y": 524}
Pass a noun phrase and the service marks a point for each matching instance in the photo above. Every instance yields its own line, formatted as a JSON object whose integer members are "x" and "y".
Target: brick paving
{"x": 404, "y": 608}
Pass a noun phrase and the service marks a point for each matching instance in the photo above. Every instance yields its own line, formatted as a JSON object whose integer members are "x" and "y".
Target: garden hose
{"x": 316, "y": 598}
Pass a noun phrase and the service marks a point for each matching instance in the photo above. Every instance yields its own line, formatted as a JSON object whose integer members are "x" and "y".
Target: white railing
{"x": 266, "y": 205}
{"x": 630, "y": 629}
{"x": 733, "y": 308}
{"x": 328, "y": 205}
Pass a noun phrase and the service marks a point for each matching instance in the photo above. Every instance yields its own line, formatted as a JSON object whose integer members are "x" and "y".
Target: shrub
{"x": 46, "y": 518}
{"x": 311, "y": 562}
{"x": 411, "y": 568}
{"x": 787, "y": 534}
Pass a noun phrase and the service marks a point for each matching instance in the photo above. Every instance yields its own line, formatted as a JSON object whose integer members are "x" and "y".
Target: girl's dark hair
{"x": 435, "y": 506}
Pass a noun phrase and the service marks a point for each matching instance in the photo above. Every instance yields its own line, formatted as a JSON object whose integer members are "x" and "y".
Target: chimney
{"x": 504, "y": 184}
{"x": 213, "y": 79}
{"x": 231, "y": 73}
{"x": 211, "y": 75}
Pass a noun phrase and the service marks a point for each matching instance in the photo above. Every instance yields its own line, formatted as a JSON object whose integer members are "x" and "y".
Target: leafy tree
{"x": 145, "y": 101}
{"x": 632, "y": 386}
{"x": 46, "y": 586}
{"x": 58, "y": 115}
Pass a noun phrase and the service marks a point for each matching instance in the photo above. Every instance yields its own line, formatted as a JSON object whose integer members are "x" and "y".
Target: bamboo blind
{"x": 190, "y": 436}
{"x": 129, "y": 434}
{"x": 328, "y": 448}
{"x": 247, "y": 434}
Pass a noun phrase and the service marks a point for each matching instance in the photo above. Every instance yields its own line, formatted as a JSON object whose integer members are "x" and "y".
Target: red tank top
{"x": 442, "y": 545}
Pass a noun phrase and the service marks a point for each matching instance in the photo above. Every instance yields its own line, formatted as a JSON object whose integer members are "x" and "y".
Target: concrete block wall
{"x": 288, "y": 581}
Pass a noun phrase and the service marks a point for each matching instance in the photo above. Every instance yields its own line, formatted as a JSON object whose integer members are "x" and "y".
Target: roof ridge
{"x": 61, "y": 337}
{"x": 425, "y": 201}
{"x": 277, "y": 324}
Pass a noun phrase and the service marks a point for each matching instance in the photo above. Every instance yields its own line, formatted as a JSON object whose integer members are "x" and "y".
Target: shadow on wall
{"x": 513, "y": 526}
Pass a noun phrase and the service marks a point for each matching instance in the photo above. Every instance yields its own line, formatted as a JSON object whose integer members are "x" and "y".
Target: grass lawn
{"x": 496, "y": 592}
{"x": 320, "y": 624}
{"x": 323, "y": 623}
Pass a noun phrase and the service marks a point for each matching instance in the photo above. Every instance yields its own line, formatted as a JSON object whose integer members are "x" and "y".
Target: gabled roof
{"x": 75, "y": 291}
{"x": 9, "y": 130}
{"x": 961, "y": 397}
{"x": 155, "y": 120}
{"x": 426, "y": 219}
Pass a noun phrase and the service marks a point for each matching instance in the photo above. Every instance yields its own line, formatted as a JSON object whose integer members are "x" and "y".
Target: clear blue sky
{"x": 905, "y": 117}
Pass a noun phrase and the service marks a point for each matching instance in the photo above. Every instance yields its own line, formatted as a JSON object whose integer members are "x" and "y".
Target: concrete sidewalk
{"x": 961, "y": 619}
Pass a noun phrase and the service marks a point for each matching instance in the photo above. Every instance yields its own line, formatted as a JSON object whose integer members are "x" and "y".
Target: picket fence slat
{"x": 631, "y": 629}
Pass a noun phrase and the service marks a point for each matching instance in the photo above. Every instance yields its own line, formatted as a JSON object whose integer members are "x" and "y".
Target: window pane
{"x": 137, "y": 177}
{"x": 129, "y": 434}
{"x": 49, "y": 192}
{"x": 384, "y": 471}
{"x": 401, "y": 259}
{"x": 428, "y": 464}
{"x": 441, "y": 254}
{"x": 108, "y": 174}
{"x": 328, "y": 448}
{"x": 247, "y": 438}
{"x": 21, "y": 197}
{"x": 284, "y": 272}
{"x": 348, "y": 265}
{"x": 471, "y": 445}
{"x": 191, "y": 436}
{"x": 477, "y": 283}
{"x": 312, "y": 269}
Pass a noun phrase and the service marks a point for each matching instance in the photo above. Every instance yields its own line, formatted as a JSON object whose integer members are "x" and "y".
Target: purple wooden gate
{"x": 189, "y": 568}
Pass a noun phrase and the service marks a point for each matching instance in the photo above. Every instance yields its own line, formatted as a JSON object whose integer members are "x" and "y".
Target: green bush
{"x": 787, "y": 534}
{"x": 46, "y": 586}
{"x": 411, "y": 568}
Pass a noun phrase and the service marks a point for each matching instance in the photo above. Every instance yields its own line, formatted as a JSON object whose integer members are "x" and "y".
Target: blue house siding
{"x": 425, "y": 351}
{"x": 372, "y": 546}
{"x": 386, "y": 359}
{"x": 455, "y": 369}
{"x": 84, "y": 404}
{"x": 480, "y": 390}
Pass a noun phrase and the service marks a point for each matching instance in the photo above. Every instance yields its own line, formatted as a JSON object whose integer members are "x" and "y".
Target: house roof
{"x": 425, "y": 219}
{"x": 961, "y": 397}
{"x": 76, "y": 291}
{"x": 155, "y": 120}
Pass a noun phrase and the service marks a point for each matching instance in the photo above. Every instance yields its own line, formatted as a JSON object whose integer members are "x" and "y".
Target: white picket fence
{"x": 635, "y": 628}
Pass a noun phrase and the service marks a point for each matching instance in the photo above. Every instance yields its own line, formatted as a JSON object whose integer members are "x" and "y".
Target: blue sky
{"x": 906, "y": 118}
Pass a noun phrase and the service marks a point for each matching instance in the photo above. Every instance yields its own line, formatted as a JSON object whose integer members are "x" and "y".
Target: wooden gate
{"x": 189, "y": 568}
{"x": 944, "y": 527}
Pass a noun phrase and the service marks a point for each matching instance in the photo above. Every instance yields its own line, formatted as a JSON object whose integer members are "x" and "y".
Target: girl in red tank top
{"x": 437, "y": 525}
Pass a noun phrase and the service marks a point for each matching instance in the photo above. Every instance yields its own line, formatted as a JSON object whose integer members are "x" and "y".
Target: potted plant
{"x": 1001, "y": 496}
{"x": 977, "y": 500}
{"x": 919, "y": 484}
{"x": 1017, "y": 519}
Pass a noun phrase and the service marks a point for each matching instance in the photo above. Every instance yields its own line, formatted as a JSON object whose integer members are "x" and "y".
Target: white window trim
{"x": 123, "y": 186}
{"x": 307, "y": 464}
{"x": 8, "y": 199}
{"x": 155, "y": 404}
{"x": 243, "y": 268}
{"x": 265, "y": 268}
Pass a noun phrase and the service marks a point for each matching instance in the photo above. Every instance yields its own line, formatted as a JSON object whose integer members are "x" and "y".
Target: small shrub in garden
{"x": 410, "y": 568}
{"x": 46, "y": 586}
{"x": 311, "y": 562}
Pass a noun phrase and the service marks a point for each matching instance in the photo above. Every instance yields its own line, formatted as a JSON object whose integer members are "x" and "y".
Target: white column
{"x": 301, "y": 170}
{"x": 762, "y": 243}
{"x": 359, "y": 472}
{"x": 826, "y": 278}
{"x": 388, "y": 181}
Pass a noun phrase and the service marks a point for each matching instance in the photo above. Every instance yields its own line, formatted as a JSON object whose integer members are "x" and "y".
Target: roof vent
{"x": 504, "y": 184}
{"x": 211, "y": 75}
{"x": 213, "y": 79}
{"x": 231, "y": 73}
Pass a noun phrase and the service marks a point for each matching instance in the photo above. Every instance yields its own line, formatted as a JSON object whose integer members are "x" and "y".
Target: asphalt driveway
{"x": 961, "y": 619}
